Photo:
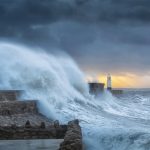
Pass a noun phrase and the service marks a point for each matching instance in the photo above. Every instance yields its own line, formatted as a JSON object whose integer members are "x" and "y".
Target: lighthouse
{"x": 109, "y": 85}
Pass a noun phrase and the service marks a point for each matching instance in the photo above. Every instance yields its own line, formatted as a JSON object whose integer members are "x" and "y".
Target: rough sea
{"x": 119, "y": 122}
{"x": 109, "y": 122}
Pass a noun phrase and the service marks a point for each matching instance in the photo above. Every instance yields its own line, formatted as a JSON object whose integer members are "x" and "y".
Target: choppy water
{"x": 120, "y": 123}
{"x": 108, "y": 122}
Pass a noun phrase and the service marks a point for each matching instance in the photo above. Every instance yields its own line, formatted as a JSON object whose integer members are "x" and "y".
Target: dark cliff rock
{"x": 73, "y": 137}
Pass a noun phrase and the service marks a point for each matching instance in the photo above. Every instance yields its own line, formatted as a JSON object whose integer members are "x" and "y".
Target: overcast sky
{"x": 101, "y": 35}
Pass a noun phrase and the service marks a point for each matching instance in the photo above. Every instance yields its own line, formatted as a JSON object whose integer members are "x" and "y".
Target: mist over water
{"x": 108, "y": 122}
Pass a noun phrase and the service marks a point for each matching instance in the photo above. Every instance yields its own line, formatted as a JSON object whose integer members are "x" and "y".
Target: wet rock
{"x": 73, "y": 137}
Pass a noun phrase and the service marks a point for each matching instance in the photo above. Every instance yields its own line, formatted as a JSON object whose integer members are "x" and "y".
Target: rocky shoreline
{"x": 21, "y": 120}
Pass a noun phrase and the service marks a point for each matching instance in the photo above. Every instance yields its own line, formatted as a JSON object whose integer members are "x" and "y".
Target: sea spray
{"x": 108, "y": 123}
{"x": 53, "y": 80}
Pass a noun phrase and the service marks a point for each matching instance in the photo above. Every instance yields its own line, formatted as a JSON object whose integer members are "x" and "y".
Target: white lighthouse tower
{"x": 109, "y": 84}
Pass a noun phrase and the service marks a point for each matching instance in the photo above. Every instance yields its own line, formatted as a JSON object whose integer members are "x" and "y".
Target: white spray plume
{"x": 53, "y": 80}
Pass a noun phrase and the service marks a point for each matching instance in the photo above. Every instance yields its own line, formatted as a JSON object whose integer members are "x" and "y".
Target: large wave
{"x": 108, "y": 123}
{"x": 55, "y": 81}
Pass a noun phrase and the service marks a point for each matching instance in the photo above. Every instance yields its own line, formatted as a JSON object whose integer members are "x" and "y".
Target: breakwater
{"x": 22, "y": 120}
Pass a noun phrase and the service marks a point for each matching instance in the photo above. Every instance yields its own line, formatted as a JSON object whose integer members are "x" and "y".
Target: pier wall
{"x": 9, "y": 95}
{"x": 17, "y": 107}
{"x": 116, "y": 92}
{"x": 32, "y": 132}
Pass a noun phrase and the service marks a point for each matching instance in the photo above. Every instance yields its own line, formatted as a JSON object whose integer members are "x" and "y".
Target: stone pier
{"x": 21, "y": 120}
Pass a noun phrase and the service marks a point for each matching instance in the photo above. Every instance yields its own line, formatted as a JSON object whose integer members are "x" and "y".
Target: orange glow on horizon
{"x": 119, "y": 81}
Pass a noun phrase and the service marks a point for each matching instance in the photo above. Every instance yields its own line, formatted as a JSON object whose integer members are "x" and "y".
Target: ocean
{"x": 119, "y": 122}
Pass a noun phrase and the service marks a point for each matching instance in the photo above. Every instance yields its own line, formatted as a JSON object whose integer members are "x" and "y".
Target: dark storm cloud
{"x": 45, "y": 11}
{"x": 105, "y": 35}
